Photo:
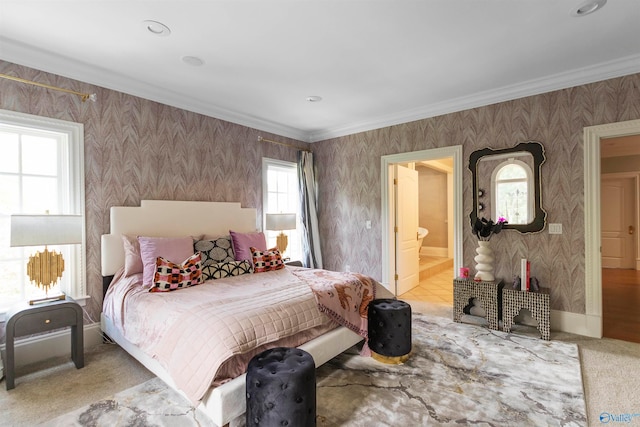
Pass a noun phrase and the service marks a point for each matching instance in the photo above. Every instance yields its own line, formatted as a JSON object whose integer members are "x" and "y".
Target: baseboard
{"x": 579, "y": 324}
{"x": 46, "y": 346}
{"x": 563, "y": 321}
{"x": 434, "y": 251}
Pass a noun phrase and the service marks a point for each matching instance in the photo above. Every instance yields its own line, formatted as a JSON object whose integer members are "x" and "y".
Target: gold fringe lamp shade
{"x": 45, "y": 268}
{"x": 281, "y": 222}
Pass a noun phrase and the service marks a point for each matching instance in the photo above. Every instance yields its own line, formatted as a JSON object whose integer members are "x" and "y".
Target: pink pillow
{"x": 132, "y": 260}
{"x": 172, "y": 249}
{"x": 242, "y": 243}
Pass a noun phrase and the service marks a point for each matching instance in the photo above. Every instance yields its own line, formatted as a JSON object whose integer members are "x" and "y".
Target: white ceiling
{"x": 374, "y": 63}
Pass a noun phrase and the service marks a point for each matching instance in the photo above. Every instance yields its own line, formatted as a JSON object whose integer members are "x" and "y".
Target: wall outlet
{"x": 367, "y": 224}
{"x": 555, "y": 228}
{"x": 347, "y": 268}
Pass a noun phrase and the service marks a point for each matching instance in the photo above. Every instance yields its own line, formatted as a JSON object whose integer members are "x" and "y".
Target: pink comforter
{"x": 193, "y": 331}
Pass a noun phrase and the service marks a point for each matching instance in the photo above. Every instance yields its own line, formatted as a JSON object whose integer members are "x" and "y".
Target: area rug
{"x": 151, "y": 403}
{"x": 457, "y": 374}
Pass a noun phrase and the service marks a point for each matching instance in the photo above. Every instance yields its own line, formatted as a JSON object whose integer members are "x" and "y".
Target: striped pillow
{"x": 170, "y": 276}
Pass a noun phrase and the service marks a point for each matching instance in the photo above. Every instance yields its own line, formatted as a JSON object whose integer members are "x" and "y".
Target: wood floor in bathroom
{"x": 436, "y": 282}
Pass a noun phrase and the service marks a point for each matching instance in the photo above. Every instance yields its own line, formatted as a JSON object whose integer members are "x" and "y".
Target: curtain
{"x": 311, "y": 253}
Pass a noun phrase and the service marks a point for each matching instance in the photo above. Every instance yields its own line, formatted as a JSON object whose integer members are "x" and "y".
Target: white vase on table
{"x": 484, "y": 262}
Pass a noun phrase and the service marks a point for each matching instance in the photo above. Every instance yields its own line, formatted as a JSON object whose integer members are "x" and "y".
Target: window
{"x": 513, "y": 194}
{"x": 41, "y": 171}
{"x": 280, "y": 195}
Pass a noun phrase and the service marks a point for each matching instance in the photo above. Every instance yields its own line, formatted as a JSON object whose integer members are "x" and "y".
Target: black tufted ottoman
{"x": 389, "y": 323}
{"x": 281, "y": 388}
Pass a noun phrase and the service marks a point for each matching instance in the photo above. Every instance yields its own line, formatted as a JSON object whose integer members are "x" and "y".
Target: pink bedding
{"x": 195, "y": 332}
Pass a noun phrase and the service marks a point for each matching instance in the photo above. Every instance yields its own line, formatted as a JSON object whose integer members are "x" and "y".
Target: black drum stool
{"x": 389, "y": 322}
{"x": 281, "y": 389}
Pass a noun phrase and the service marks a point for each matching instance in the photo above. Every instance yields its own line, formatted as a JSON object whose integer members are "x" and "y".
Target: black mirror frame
{"x": 537, "y": 151}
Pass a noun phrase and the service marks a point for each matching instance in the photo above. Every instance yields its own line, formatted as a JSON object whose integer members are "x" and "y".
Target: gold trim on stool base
{"x": 390, "y": 360}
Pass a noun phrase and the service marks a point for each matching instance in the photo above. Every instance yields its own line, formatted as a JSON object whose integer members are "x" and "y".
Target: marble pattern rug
{"x": 151, "y": 403}
{"x": 458, "y": 374}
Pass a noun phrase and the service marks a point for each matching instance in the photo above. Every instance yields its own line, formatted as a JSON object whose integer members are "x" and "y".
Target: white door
{"x": 617, "y": 224}
{"x": 407, "y": 257}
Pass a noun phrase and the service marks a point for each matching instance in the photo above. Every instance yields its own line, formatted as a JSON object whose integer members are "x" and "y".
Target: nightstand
{"x": 33, "y": 319}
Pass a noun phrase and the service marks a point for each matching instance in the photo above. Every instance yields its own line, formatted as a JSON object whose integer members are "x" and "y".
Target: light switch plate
{"x": 555, "y": 228}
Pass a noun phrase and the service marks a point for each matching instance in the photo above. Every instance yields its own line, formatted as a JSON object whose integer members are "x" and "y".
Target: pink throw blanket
{"x": 344, "y": 297}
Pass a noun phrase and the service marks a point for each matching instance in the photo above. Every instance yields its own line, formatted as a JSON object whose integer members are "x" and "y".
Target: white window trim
{"x": 273, "y": 162}
{"x": 265, "y": 162}
{"x": 75, "y": 135}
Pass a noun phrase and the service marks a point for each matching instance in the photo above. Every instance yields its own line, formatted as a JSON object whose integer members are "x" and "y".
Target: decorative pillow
{"x": 170, "y": 248}
{"x": 132, "y": 260}
{"x": 215, "y": 250}
{"x": 242, "y": 243}
{"x": 226, "y": 269}
{"x": 170, "y": 276}
{"x": 266, "y": 260}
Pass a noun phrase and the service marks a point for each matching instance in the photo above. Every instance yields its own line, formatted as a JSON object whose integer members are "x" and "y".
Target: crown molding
{"x": 26, "y": 55}
{"x": 590, "y": 74}
{"x": 32, "y": 57}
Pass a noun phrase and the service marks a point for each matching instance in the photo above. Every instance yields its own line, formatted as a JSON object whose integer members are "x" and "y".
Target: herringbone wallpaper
{"x": 137, "y": 149}
{"x": 349, "y": 176}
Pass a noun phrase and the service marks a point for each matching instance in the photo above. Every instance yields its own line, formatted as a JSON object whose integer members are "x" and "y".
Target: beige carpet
{"x": 610, "y": 370}
{"x": 48, "y": 389}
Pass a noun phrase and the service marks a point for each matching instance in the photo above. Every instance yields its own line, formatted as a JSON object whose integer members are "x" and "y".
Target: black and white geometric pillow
{"x": 226, "y": 269}
{"x": 215, "y": 250}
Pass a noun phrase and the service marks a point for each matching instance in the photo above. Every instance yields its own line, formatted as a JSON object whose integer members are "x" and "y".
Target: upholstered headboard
{"x": 162, "y": 218}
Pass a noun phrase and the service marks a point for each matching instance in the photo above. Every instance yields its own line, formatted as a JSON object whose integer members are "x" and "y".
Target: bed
{"x": 224, "y": 400}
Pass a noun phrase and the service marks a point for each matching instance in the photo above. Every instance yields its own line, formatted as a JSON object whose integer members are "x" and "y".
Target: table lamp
{"x": 45, "y": 268}
{"x": 280, "y": 222}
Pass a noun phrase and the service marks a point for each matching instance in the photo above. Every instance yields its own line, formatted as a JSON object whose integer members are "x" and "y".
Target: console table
{"x": 489, "y": 294}
{"x": 537, "y": 302}
{"x": 33, "y": 319}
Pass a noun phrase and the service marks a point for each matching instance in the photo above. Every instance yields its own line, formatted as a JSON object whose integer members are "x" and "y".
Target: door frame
{"x": 388, "y": 206}
{"x": 592, "y": 226}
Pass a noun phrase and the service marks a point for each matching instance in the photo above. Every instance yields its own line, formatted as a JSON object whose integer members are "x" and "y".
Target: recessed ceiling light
{"x": 314, "y": 98}
{"x": 587, "y": 7}
{"x": 192, "y": 60}
{"x": 156, "y": 28}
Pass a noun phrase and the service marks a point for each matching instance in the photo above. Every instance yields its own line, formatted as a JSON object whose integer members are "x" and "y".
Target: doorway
{"x": 619, "y": 213}
{"x": 390, "y": 210}
{"x": 600, "y": 310}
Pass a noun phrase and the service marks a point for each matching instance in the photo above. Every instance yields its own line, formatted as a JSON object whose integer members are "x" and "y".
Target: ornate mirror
{"x": 506, "y": 183}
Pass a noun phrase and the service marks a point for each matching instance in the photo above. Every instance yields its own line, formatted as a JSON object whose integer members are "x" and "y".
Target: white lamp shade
{"x": 281, "y": 221}
{"x": 39, "y": 230}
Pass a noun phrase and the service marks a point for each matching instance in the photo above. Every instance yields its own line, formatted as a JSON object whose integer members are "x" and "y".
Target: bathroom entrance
{"x": 432, "y": 197}
{"x": 438, "y": 247}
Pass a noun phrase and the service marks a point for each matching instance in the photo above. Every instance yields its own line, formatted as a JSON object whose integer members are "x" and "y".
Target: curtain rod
{"x": 261, "y": 139}
{"x": 83, "y": 96}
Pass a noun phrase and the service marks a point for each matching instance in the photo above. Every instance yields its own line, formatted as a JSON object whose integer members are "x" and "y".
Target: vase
{"x": 484, "y": 262}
